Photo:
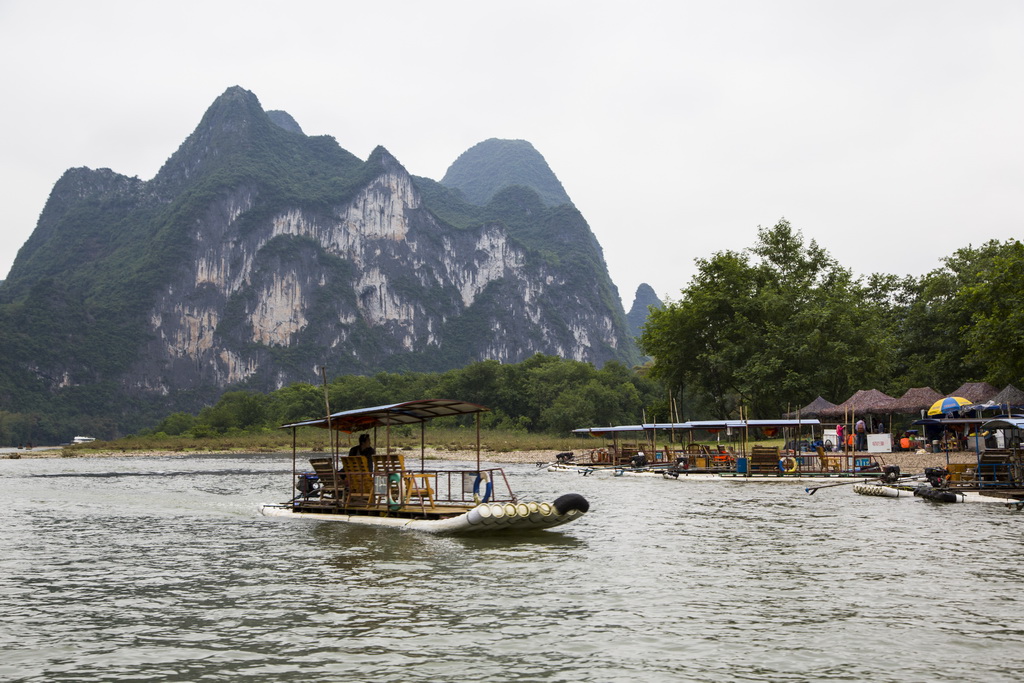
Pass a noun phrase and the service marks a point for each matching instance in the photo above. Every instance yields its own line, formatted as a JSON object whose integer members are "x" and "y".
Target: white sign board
{"x": 879, "y": 443}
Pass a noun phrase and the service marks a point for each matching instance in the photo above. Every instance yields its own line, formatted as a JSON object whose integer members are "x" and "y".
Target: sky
{"x": 890, "y": 132}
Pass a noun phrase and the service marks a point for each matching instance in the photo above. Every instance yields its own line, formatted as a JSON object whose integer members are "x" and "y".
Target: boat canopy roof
{"x": 1005, "y": 423}
{"x": 700, "y": 424}
{"x": 609, "y": 430}
{"x": 410, "y": 412}
{"x": 950, "y": 421}
{"x": 804, "y": 421}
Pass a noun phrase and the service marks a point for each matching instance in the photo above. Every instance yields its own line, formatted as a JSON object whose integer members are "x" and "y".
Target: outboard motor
{"x": 639, "y": 460}
{"x": 936, "y": 476}
{"x": 891, "y": 474}
{"x": 564, "y": 457}
{"x": 306, "y": 483}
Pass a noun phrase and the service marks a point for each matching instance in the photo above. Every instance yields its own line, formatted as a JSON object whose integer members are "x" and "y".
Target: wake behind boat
{"x": 382, "y": 490}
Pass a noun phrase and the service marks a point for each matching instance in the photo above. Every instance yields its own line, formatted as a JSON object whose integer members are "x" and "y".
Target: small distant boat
{"x": 83, "y": 439}
{"x": 381, "y": 490}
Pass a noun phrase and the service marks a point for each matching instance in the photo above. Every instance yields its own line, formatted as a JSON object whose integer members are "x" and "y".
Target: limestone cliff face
{"x": 270, "y": 252}
{"x": 403, "y": 276}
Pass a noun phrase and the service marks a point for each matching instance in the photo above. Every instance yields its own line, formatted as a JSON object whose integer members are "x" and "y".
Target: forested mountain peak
{"x": 490, "y": 166}
{"x": 231, "y": 125}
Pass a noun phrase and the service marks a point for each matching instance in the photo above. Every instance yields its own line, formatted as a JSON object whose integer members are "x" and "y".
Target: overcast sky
{"x": 890, "y": 132}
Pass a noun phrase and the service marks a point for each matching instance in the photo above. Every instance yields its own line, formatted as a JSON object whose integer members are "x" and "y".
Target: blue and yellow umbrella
{"x": 949, "y": 404}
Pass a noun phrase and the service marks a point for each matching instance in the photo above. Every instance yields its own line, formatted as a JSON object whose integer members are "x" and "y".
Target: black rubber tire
{"x": 571, "y": 501}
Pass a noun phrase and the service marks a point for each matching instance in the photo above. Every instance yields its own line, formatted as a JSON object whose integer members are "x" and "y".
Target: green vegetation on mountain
{"x": 489, "y": 167}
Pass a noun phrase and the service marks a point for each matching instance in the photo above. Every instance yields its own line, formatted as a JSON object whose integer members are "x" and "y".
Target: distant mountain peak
{"x": 230, "y": 125}
{"x": 381, "y": 157}
{"x": 643, "y": 301}
{"x": 283, "y": 119}
{"x": 489, "y": 167}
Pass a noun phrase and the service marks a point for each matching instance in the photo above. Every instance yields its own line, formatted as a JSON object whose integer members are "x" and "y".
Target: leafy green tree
{"x": 297, "y": 402}
{"x": 769, "y": 328}
{"x": 236, "y": 410}
{"x": 176, "y": 424}
{"x": 953, "y": 322}
{"x": 996, "y": 302}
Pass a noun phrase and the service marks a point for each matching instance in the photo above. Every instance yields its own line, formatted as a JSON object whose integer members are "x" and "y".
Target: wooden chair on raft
{"x": 391, "y": 463}
{"x": 764, "y": 459}
{"x": 359, "y": 478}
{"x": 828, "y": 463}
{"x": 418, "y": 485}
{"x": 332, "y": 484}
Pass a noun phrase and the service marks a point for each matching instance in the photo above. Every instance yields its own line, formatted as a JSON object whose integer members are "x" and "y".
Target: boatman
{"x": 364, "y": 449}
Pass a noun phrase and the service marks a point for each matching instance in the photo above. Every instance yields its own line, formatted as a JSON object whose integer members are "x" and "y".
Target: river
{"x": 161, "y": 569}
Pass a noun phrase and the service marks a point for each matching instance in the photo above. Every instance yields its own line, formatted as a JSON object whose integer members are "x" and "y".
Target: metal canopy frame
{"x": 406, "y": 413}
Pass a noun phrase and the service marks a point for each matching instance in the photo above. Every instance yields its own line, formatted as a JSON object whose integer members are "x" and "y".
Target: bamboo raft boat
{"x": 383, "y": 490}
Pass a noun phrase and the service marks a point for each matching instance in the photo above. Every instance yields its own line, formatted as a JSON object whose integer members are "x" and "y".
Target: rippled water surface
{"x": 162, "y": 569}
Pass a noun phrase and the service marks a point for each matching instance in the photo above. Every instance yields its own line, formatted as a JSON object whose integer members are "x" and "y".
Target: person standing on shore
{"x": 840, "y": 444}
{"x": 862, "y": 435}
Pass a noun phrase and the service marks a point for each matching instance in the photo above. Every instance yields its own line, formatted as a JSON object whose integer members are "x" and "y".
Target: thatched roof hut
{"x": 864, "y": 401}
{"x": 812, "y": 409}
{"x": 1010, "y": 396}
{"x": 975, "y": 392}
{"x": 914, "y": 401}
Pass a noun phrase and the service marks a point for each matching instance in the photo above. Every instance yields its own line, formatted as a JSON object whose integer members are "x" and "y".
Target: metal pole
{"x": 330, "y": 431}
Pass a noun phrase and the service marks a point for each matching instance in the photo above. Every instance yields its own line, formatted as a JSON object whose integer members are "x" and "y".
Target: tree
{"x": 176, "y": 424}
{"x": 996, "y": 304}
{"x": 239, "y": 410}
{"x": 768, "y": 328}
{"x": 954, "y": 321}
